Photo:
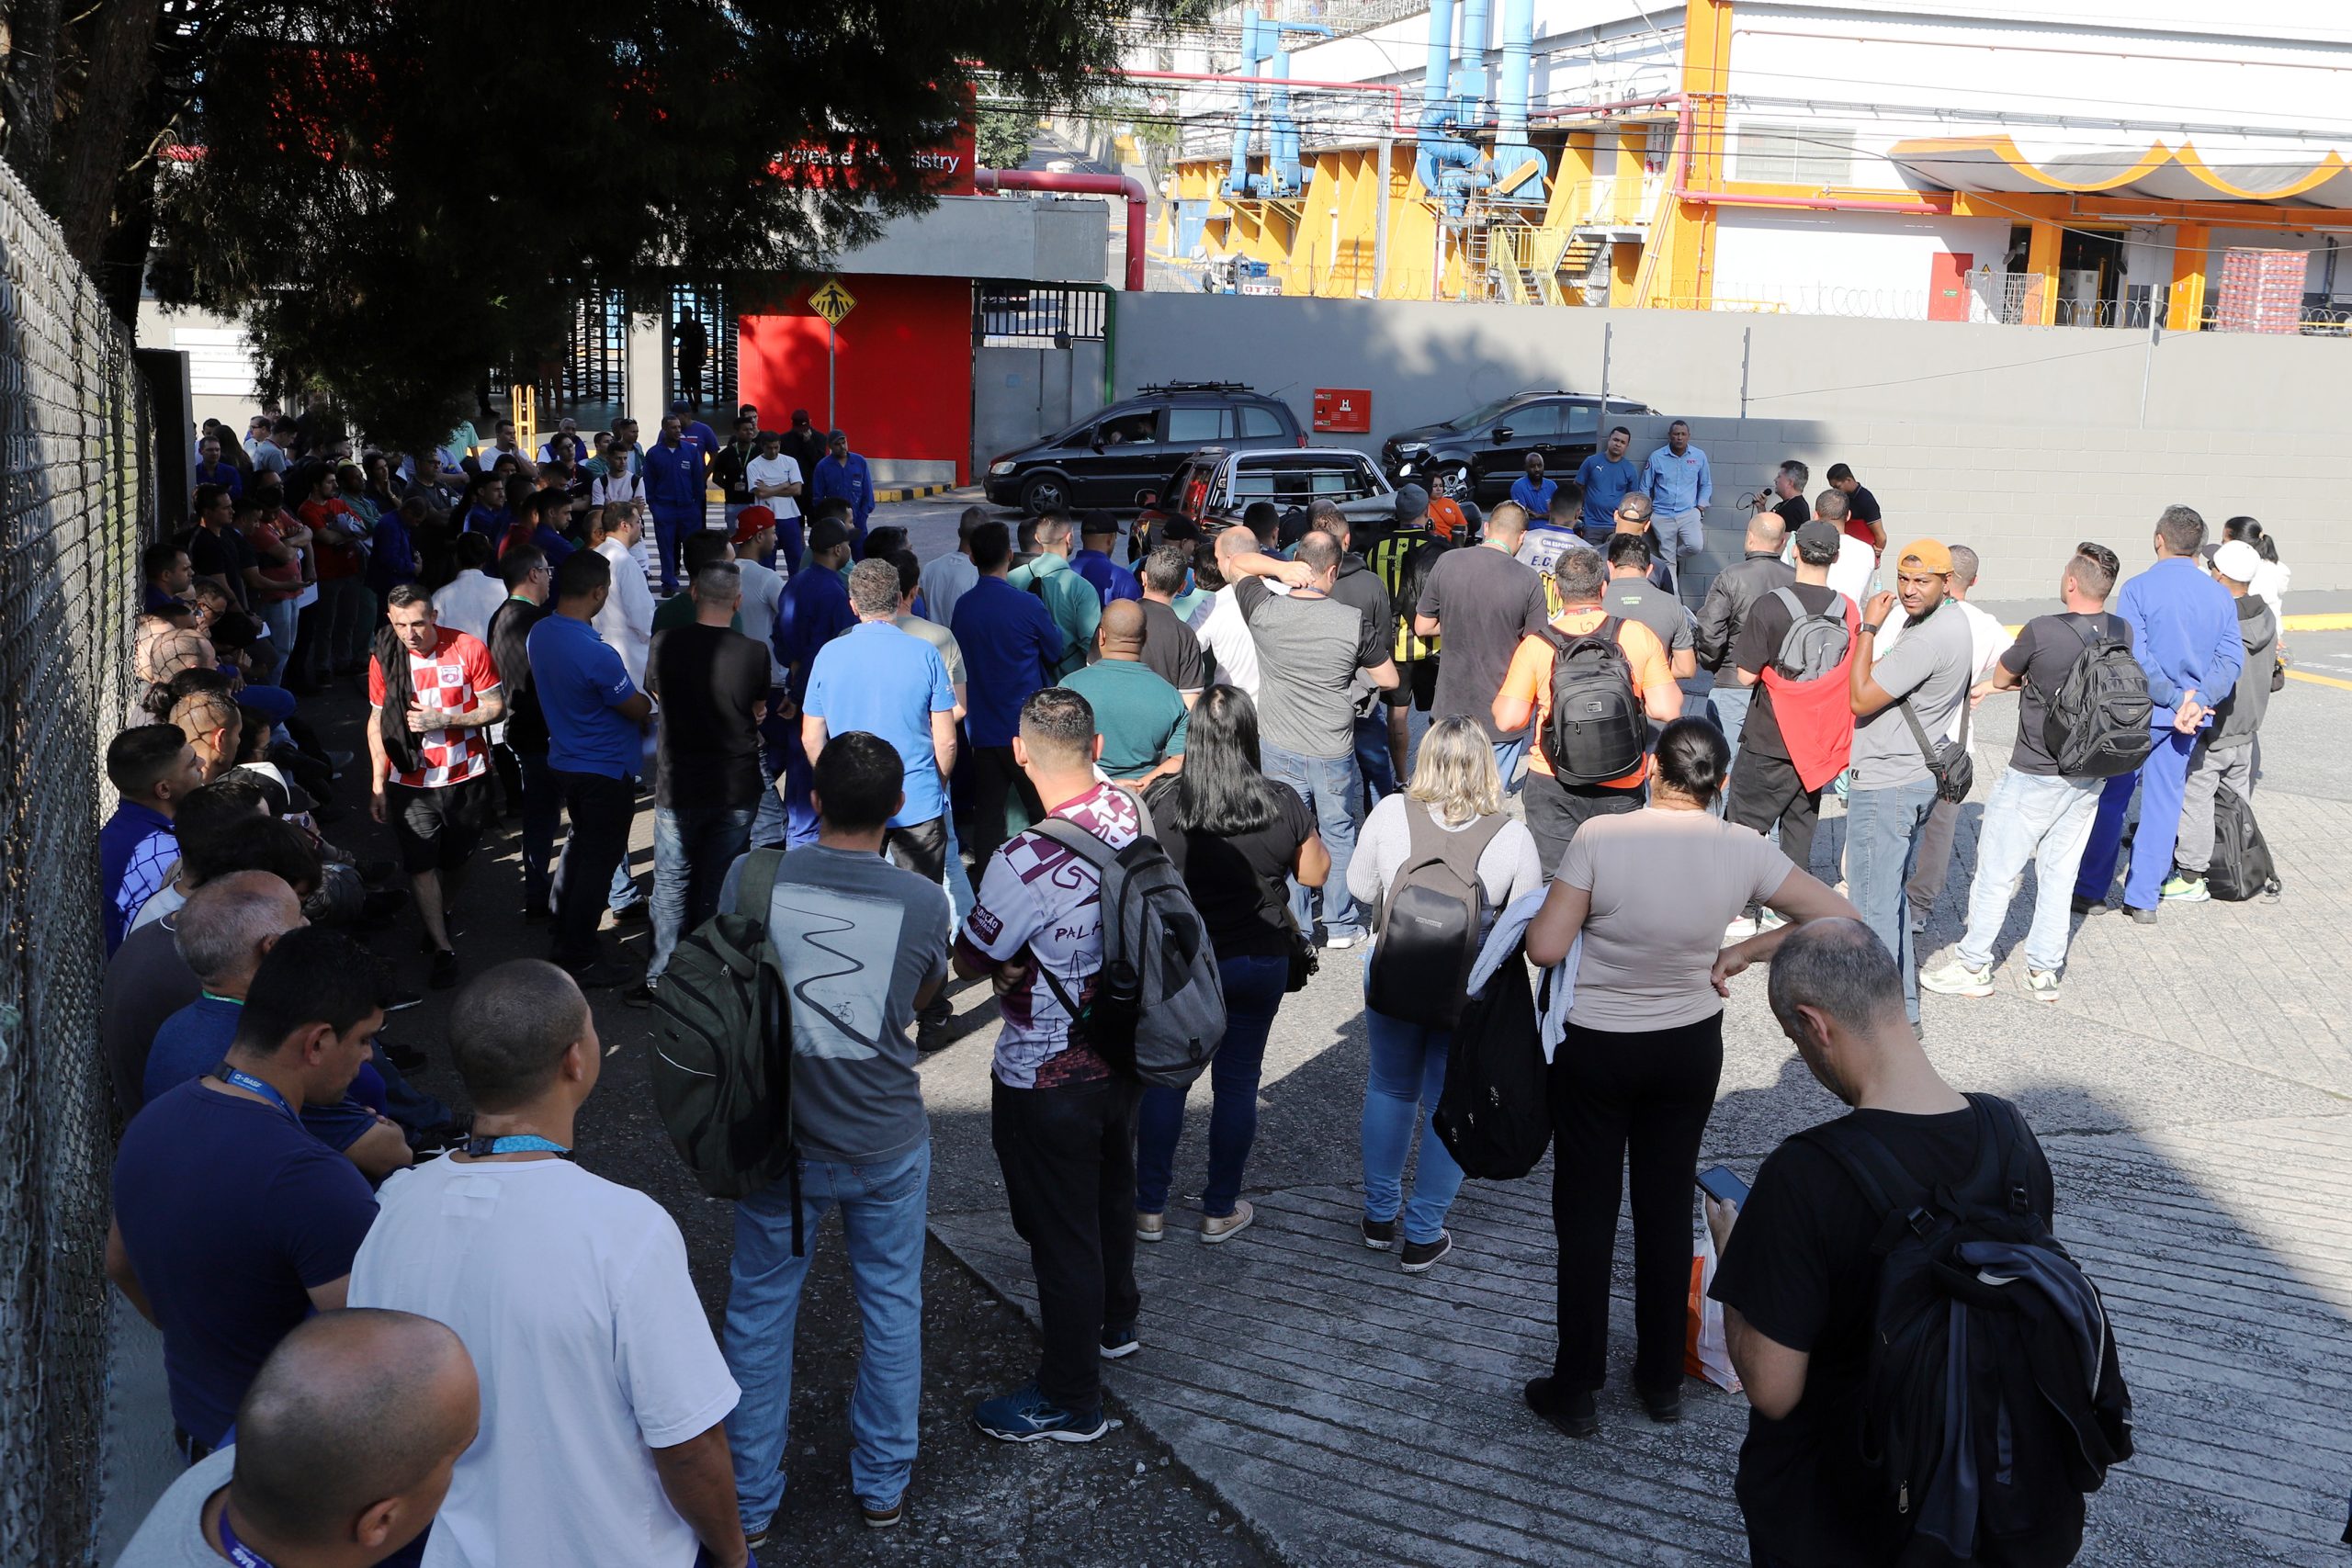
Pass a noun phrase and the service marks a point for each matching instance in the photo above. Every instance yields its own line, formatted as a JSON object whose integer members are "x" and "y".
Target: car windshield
{"x": 1481, "y": 415}
{"x": 1333, "y": 476}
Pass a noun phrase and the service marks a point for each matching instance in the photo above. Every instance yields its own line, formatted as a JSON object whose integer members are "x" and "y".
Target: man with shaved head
{"x": 1140, "y": 716}
{"x": 344, "y": 1447}
{"x": 602, "y": 1391}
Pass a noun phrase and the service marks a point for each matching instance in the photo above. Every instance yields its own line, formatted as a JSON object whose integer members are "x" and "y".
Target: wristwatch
{"x": 1870, "y": 629}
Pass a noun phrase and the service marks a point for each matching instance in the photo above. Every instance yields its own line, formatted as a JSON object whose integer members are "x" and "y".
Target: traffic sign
{"x": 832, "y": 301}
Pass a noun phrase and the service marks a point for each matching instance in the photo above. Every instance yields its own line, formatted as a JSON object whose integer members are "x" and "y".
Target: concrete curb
{"x": 910, "y": 493}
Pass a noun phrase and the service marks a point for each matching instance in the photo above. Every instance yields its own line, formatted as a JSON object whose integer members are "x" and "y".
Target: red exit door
{"x": 1948, "y": 285}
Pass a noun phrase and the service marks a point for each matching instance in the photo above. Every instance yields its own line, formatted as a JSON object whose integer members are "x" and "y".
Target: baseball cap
{"x": 752, "y": 521}
{"x": 1412, "y": 502}
{"x": 828, "y": 532}
{"x": 1931, "y": 556}
{"x": 2237, "y": 561}
{"x": 1817, "y": 536}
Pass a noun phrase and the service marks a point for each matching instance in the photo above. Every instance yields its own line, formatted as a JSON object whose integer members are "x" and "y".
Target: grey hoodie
{"x": 2238, "y": 715}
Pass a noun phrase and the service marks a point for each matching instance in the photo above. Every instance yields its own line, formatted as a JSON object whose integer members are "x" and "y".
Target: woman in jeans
{"x": 1651, "y": 892}
{"x": 1456, "y": 787}
{"x": 1237, "y": 837}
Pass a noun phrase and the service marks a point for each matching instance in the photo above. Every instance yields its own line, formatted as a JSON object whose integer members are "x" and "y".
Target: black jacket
{"x": 1729, "y": 599}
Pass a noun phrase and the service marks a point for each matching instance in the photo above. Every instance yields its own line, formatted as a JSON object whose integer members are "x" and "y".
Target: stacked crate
{"x": 2262, "y": 291}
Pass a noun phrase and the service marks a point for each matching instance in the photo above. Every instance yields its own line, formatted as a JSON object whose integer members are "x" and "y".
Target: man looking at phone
{"x": 1799, "y": 1275}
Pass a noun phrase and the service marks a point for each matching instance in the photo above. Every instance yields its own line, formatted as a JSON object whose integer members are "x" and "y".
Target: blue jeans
{"x": 1509, "y": 754}
{"x": 769, "y": 827}
{"x": 1407, "y": 1073}
{"x": 281, "y": 618}
{"x": 1372, "y": 758}
{"x": 1254, "y": 992}
{"x": 960, "y": 896}
{"x": 2045, "y": 819}
{"x": 1882, "y": 829}
{"x": 2162, "y": 778}
{"x": 882, "y": 1225}
{"x": 1727, "y": 709}
{"x": 693, "y": 847}
{"x": 1333, "y": 791}
{"x": 670, "y": 526}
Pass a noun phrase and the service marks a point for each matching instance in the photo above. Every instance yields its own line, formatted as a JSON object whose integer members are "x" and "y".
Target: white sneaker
{"x": 1770, "y": 921}
{"x": 1957, "y": 980}
{"x": 1739, "y": 929}
{"x": 2042, "y": 985}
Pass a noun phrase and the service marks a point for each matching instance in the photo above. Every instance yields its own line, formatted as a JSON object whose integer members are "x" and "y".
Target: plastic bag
{"x": 1706, "y": 1353}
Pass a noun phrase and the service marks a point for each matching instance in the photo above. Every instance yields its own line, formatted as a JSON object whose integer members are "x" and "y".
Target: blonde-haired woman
{"x": 1455, "y": 790}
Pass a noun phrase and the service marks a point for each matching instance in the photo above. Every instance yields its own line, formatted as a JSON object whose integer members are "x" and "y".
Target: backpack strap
{"x": 755, "y": 889}
{"x": 754, "y": 892}
{"x": 1078, "y": 842}
{"x": 2001, "y": 1167}
{"x": 1873, "y": 1168}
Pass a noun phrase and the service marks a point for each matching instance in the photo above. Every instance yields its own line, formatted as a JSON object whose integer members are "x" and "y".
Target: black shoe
{"x": 407, "y": 1058}
{"x": 2083, "y": 906}
{"x": 638, "y": 996}
{"x": 1420, "y": 1257}
{"x": 1575, "y": 1415}
{"x": 1663, "y": 1408}
{"x": 534, "y": 913}
{"x": 2140, "y": 917}
{"x": 376, "y": 873}
{"x": 592, "y": 977}
{"x": 444, "y": 970}
{"x": 635, "y": 914}
{"x": 1380, "y": 1234}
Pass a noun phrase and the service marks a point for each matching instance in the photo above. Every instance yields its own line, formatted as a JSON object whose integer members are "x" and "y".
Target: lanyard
{"x": 241, "y": 1554}
{"x": 237, "y": 1077}
{"x": 514, "y": 1144}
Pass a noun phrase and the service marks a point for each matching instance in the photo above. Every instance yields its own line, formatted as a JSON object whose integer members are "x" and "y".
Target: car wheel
{"x": 1451, "y": 480}
{"x": 1044, "y": 492}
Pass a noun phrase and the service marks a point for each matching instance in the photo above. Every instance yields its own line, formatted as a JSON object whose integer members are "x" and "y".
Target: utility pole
{"x": 1380, "y": 222}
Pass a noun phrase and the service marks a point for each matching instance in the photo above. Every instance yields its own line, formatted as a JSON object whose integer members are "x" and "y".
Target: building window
{"x": 1793, "y": 155}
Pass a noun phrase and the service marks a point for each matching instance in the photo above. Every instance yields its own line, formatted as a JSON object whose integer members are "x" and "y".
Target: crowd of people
{"x": 1411, "y": 738}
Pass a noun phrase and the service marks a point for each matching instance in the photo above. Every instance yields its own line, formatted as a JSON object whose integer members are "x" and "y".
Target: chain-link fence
{"x": 74, "y": 437}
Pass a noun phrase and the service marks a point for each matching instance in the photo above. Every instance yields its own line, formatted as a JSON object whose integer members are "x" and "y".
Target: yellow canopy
{"x": 2162, "y": 173}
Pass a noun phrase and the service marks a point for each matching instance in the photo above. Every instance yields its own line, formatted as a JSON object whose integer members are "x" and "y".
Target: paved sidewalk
{"x": 2194, "y": 1091}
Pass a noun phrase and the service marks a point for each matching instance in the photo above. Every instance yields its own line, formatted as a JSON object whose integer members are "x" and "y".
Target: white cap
{"x": 2237, "y": 561}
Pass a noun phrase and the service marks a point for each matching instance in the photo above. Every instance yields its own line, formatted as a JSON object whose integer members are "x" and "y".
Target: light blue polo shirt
{"x": 1678, "y": 484}
{"x": 887, "y": 683}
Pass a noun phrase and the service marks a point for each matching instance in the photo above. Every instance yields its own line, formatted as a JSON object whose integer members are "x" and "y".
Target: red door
{"x": 1948, "y": 285}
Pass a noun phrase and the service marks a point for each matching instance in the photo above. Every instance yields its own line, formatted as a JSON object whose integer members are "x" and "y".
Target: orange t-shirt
{"x": 1529, "y": 679}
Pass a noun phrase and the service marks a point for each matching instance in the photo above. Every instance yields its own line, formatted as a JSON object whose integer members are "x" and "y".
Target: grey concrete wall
{"x": 2029, "y": 437}
{"x": 1021, "y": 394}
{"x": 1038, "y": 239}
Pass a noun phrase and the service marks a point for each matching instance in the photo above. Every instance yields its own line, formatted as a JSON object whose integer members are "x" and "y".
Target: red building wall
{"x": 902, "y": 384}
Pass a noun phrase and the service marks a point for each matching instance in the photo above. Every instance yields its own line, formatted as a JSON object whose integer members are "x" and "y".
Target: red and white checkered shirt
{"x": 457, "y": 673}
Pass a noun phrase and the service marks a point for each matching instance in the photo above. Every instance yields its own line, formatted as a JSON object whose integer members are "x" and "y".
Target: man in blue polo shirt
{"x": 595, "y": 747}
{"x": 1097, "y": 531}
{"x": 1680, "y": 486}
{"x": 211, "y": 470}
{"x": 1532, "y": 490}
{"x": 1606, "y": 477}
{"x": 674, "y": 489}
{"x": 1011, "y": 647}
{"x": 813, "y": 610}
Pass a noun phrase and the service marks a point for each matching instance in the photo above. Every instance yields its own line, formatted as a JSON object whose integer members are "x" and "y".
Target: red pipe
{"x": 1395, "y": 94}
{"x": 1087, "y": 184}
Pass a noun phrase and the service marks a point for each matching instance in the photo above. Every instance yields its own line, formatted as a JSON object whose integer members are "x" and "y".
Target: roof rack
{"x": 1193, "y": 386}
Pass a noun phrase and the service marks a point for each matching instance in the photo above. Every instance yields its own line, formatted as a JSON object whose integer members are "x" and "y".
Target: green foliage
{"x": 1004, "y": 137}
{"x": 422, "y": 197}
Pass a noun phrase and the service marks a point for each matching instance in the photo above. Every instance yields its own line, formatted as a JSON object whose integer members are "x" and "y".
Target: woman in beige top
{"x": 1651, "y": 892}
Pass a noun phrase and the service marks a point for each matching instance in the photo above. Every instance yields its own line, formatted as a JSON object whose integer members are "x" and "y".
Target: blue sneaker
{"x": 1026, "y": 1415}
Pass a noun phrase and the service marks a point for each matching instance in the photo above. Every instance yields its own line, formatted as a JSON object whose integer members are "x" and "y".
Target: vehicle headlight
{"x": 1000, "y": 468}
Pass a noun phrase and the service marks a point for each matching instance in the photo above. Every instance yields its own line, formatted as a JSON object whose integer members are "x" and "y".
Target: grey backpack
{"x": 1432, "y": 922}
{"x": 1157, "y": 1012}
{"x": 1814, "y": 644}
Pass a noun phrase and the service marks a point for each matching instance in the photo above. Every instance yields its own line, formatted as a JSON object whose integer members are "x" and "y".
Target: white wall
{"x": 1846, "y": 264}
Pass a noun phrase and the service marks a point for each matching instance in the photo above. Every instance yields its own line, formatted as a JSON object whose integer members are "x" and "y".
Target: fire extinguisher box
{"x": 1343, "y": 410}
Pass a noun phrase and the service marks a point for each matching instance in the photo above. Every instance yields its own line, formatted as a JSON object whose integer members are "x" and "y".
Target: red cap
{"x": 752, "y": 521}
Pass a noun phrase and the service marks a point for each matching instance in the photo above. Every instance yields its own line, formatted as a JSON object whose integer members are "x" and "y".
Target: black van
{"x": 1113, "y": 459}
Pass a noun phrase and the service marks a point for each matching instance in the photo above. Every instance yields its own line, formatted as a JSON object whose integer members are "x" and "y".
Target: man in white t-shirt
{"x": 776, "y": 482}
{"x": 1222, "y": 629}
{"x": 603, "y": 1393}
{"x": 1856, "y": 563}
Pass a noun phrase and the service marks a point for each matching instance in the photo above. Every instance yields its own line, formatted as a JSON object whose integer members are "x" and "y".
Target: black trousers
{"x": 997, "y": 781}
{"x": 1648, "y": 1095}
{"x": 921, "y": 848}
{"x": 1765, "y": 790}
{"x": 1554, "y": 812}
{"x": 1068, "y": 1158}
{"x": 601, "y": 808}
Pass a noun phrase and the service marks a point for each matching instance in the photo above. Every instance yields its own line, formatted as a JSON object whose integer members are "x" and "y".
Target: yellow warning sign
{"x": 832, "y": 301}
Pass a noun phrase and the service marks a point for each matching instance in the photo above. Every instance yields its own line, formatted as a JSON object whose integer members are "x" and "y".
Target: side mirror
{"x": 1148, "y": 498}
{"x": 1502, "y": 434}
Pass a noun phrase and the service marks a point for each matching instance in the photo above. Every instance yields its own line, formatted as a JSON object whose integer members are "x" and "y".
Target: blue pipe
{"x": 1441, "y": 53}
{"x": 1237, "y": 180}
{"x": 1470, "y": 61}
{"x": 1289, "y": 175}
{"x": 1513, "y": 84}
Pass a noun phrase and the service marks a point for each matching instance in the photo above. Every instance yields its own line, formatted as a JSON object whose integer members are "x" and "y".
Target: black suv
{"x": 1476, "y": 456}
{"x": 1111, "y": 458}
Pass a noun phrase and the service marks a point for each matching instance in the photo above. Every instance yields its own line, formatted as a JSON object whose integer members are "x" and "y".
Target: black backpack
{"x": 2242, "y": 867}
{"x": 1428, "y": 934}
{"x": 2095, "y": 725}
{"x": 1994, "y": 1401}
{"x": 1495, "y": 1114}
{"x": 1597, "y": 729}
{"x": 722, "y": 1046}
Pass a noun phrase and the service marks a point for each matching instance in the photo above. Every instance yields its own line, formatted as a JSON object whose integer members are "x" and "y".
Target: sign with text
{"x": 1343, "y": 410}
{"x": 944, "y": 169}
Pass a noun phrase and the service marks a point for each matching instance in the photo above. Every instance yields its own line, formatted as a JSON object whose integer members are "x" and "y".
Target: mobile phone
{"x": 1718, "y": 1182}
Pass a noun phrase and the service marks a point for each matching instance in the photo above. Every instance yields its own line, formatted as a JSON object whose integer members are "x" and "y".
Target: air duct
{"x": 1446, "y": 163}
{"x": 1440, "y": 55}
{"x": 1237, "y": 179}
{"x": 1470, "y": 62}
{"x": 1287, "y": 176}
{"x": 1519, "y": 168}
